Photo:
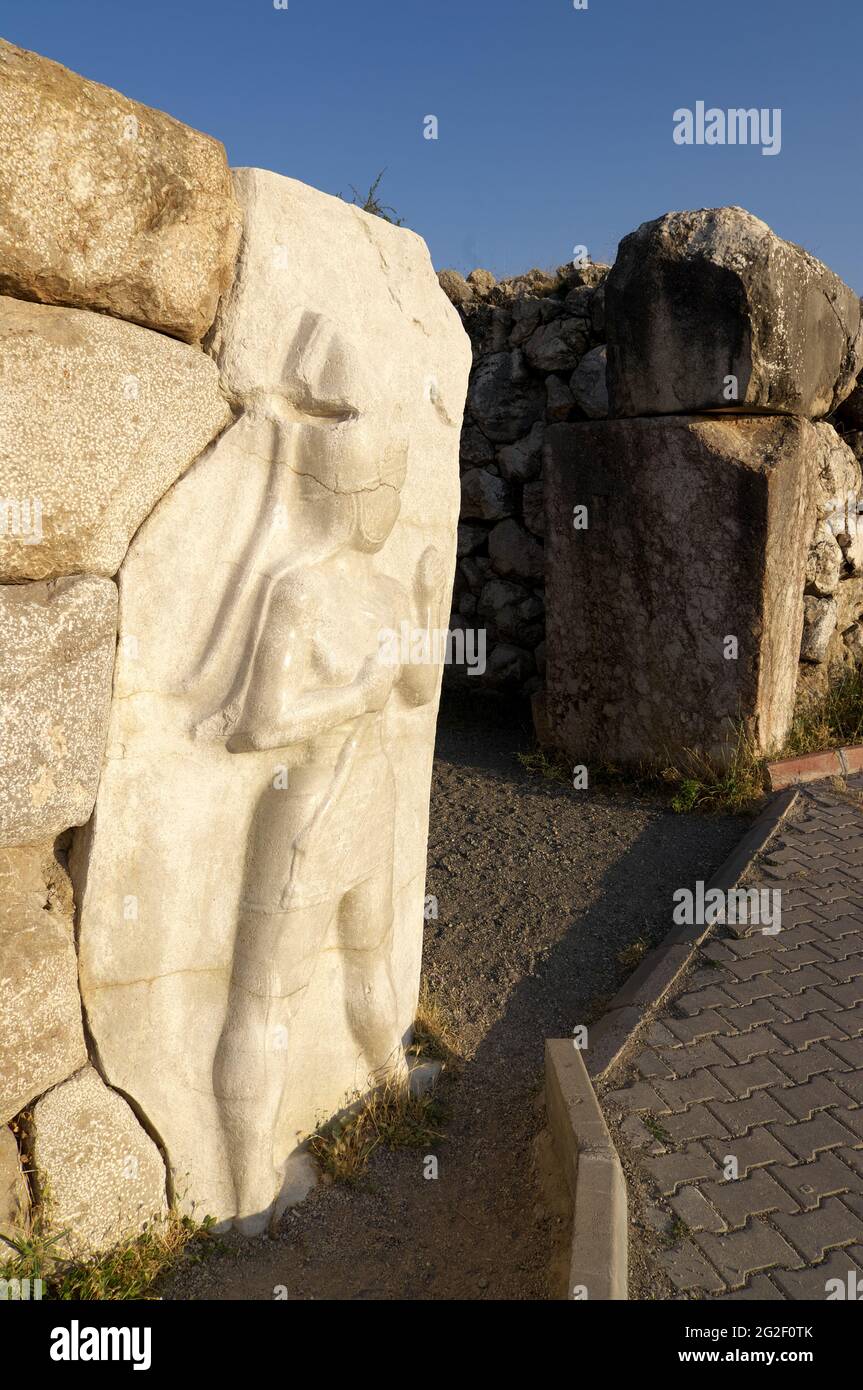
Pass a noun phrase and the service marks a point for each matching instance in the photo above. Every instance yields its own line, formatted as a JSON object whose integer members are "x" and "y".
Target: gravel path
{"x": 539, "y": 888}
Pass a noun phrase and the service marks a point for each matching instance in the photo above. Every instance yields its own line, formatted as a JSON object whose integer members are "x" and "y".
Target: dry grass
{"x": 830, "y": 722}
{"x": 434, "y": 1036}
{"x": 693, "y": 783}
{"x": 550, "y": 767}
{"x": 129, "y": 1271}
{"x": 632, "y": 955}
{"x": 391, "y": 1117}
{"x": 699, "y": 784}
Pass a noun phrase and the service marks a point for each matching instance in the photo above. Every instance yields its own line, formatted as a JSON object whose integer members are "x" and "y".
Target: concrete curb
{"x": 600, "y": 1234}
{"x": 812, "y": 767}
{"x": 645, "y": 989}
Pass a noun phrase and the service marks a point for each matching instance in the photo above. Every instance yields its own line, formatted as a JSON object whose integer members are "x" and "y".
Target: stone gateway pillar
{"x": 702, "y": 544}
{"x": 251, "y": 884}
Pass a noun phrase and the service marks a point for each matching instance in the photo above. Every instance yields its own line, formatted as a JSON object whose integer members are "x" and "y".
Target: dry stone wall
{"x": 112, "y": 212}
{"x": 705, "y": 312}
{"x": 538, "y": 360}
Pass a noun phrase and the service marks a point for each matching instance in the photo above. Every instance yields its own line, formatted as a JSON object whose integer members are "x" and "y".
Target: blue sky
{"x": 555, "y": 125}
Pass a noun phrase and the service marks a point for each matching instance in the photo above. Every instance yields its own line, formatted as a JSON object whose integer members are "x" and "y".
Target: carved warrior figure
{"x": 313, "y": 685}
{"x": 251, "y": 882}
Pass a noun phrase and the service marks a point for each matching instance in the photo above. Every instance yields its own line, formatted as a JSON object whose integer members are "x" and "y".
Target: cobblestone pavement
{"x": 758, "y": 1060}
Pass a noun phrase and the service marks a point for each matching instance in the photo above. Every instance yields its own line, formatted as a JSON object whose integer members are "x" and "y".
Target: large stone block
{"x": 505, "y": 400}
{"x": 57, "y": 644}
{"x": 108, "y": 204}
{"x": 251, "y": 884}
{"x": 99, "y": 1175}
{"x": 697, "y": 298}
{"x": 97, "y": 419}
{"x": 14, "y": 1196}
{"x": 41, "y": 1034}
{"x": 677, "y": 612}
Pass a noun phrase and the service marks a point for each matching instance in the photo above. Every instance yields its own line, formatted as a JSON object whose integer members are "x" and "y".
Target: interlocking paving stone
{"x": 757, "y": 1195}
{"x": 810, "y": 1183}
{"x": 813, "y": 1233}
{"x": 812, "y": 1028}
{"x": 760, "y": 1288}
{"x": 651, "y": 1065}
{"x": 808, "y": 1138}
{"x": 757, "y": 1043}
{"x": 850, "y": 1050}
{"x": 847, "y": 995}
{"x": 854, "y": 1120}
{"x": 803, "y": 1101}
{"x": 671, "y": 1171}
{"x": 759, "y": 1057}
{"x": 812, "y": 1283}
{"x": 694, "y": 1123}
{"x": 699, "y": 1028}
{"x": 808, "y": 1001}
{"x": 742, "y": 1018}
{"x": 851, "y": 1083}
{"x": 692, "y": 1090}
{"x": 742, "y": 1253}
{"x": 844, "y": 947}
{"x": 683, "y": 1061}
{"x": 742, "y": 1080}
{"x": 695, "y": 1210}
{"x": 708, "y": 998}
{"x": 760, "y": 987}
{"x": 738, "y": 1117}
{"x": 638, "y": 1097}
{"x": 815, "y": 1060}
{"x": 753, "y": 1150}
{"x": 689, "y": 1270}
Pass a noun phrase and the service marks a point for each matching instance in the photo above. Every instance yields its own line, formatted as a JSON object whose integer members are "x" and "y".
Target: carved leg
{"x": 274, "y": 957}
{"x": 365, "y": 925}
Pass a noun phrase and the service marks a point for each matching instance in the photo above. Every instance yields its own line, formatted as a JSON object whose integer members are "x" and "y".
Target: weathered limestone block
{"x": 470, "y": 538}
{"x": 853, "y": 639}
{"x": 849, "y": 602}
{"x": 99, "y": 1174}
{"x": 558, "y": 346}
{"x": 57, "y": 643}
{"x": 696, "y": 533}
{"x": 838, "y": 486}
{"x": 820, "y": 616}
{"x": 533, "y": 507}
{"x": 108, "y": 204}
{"x": 824, "y": 561}
{"x": 455, "y": 286}
{"x": 97, "y": 419}
{"x": 475, "y": 448}
{"x": 697, "y": 297}
{"x": 839, "y": 498}
{"x": 505, "y": 400}
{"x": 509, "y": 667}
{"x": 523, "y": 460}
{"x": 558, "y": 399}
{"x": 262, "y": 812}
{"x": 588, "y": 384}
{"x": 515, "y": 553}
{"x": 484, "y": 496}
{"x": 14, "y": 1197}
{"x": 41, "y": 1035}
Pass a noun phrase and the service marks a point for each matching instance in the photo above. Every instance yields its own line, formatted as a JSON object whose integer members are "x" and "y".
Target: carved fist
{"x": 430, "y": 576}
{"x": 377, "y": 681}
